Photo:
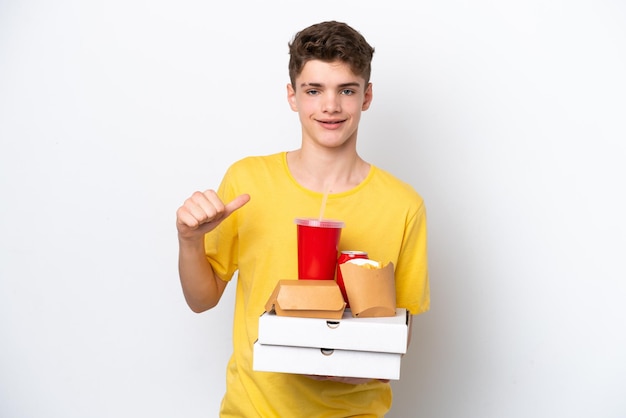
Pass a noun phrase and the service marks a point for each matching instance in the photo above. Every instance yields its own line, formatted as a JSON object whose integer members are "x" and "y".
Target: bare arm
{"x": 200, "y": 214}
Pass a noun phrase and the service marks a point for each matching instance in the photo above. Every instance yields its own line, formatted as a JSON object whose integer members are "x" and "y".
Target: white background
{"x": 508, "y": 117}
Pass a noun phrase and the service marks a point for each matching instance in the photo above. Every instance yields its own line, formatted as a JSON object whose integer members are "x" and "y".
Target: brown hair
{"x": 330, "y": 41}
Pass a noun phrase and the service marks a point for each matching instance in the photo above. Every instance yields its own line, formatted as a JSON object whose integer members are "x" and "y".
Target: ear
{"x": 291, "y": 97}
{"x": 367, "y": 97}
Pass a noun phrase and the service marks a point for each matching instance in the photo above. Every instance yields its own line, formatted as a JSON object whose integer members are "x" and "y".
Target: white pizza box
{"x": 326, "y": 362}
{"x": 379, "y": 334}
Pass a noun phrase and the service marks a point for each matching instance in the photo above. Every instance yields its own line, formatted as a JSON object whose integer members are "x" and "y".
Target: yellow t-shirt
{"x": 382, "y": 216}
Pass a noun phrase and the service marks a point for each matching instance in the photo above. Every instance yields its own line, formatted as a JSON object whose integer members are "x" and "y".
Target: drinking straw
{"x": 326, "y": 190}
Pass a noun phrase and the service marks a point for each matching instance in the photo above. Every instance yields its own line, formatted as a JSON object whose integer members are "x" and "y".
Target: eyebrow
{"x": 343, "y": 85}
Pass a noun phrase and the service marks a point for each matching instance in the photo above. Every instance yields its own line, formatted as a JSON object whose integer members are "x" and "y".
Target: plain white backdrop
{"x": 508, "y": 117}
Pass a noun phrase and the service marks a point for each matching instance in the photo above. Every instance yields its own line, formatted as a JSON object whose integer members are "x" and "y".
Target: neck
{"x": 332, "y": 171}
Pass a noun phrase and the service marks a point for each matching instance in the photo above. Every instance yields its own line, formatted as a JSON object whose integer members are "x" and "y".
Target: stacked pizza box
{"x": 307, "y": 329}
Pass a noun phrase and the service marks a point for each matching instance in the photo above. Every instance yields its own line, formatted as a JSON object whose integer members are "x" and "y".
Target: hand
{"x": 203, "y": 212}
{"x": 348, "y": 380}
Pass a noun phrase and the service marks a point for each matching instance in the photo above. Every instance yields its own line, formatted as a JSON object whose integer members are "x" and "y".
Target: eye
{"x": 347, "y": 92}
{"x": 312, "y": 92}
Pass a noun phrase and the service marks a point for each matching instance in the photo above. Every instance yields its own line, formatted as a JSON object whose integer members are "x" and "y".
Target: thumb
{"x": 235, "y": 204}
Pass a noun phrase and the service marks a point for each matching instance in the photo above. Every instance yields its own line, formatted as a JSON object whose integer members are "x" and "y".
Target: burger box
{"x": 307, "y": 299}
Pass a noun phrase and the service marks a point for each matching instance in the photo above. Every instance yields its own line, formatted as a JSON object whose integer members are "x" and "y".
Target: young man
{"x": 248, "y": 226}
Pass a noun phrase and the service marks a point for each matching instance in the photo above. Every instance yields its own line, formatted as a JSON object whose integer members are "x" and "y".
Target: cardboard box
{"x": 307, "y": 298}
{"x": 371, "y": 292}
{"x": 348, "y": 347}
{"x": 326, "y": 362}
{"x": 380, "y": 334}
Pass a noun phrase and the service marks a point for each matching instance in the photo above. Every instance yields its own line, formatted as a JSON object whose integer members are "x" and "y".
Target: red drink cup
{"x": 318, "y": 243}
{"x": 343, "y": 257}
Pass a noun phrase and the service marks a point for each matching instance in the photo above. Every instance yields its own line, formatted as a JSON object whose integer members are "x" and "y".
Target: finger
{"x": 210, "y": 197}
{"x": 199, "y": 208}
{"x": 235, "y": 204}
{"x": 185, "y": 218}
{"x": 206, "y": 206}
{"x": 204, "y": 211}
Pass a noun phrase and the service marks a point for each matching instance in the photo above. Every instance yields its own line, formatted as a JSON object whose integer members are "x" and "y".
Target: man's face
{"x": 329, "y": 99}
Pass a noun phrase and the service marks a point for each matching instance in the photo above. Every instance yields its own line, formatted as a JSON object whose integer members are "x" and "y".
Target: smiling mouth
{"x": 331, "y": 122}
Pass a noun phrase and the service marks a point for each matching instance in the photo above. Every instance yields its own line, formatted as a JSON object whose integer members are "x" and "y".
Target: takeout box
{"x": 326, "y": 362}
{"x": 347, "y": 347}
{"x": 371, "y": 292}
{"x": 307, "y": 299}
{"x": 384, "y": 334}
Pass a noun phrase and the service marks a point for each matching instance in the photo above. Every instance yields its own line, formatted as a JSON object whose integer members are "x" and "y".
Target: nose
{"x": 331, "y": 103}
